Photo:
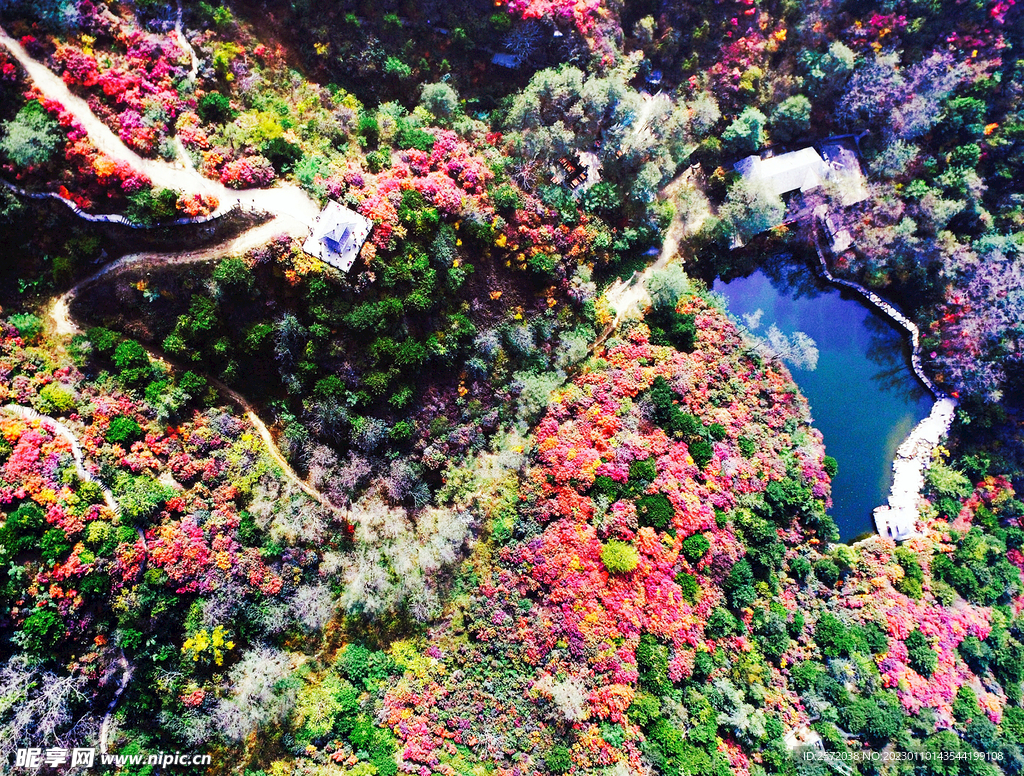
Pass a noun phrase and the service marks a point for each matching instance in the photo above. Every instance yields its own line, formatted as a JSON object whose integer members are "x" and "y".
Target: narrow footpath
{"x": 286, "y": 201}
{"x": 292, "y": 212}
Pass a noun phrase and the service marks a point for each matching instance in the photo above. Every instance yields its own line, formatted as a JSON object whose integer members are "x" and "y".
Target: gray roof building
{"x": 338, "y": 235}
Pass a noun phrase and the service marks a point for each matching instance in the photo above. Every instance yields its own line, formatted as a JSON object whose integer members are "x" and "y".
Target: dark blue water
{"x": 864, "y": 398}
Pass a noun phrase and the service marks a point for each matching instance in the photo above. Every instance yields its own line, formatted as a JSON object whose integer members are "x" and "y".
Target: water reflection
{"x": 889, "y": 349}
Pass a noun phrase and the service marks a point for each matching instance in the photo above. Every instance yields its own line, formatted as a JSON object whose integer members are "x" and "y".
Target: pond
{"x": 863, "y": 395}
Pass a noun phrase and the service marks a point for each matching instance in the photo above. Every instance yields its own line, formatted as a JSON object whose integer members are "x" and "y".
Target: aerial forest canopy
{"x": 364, "y": 407}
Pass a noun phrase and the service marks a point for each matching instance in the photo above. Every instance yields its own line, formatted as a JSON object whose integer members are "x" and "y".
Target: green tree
{"x": 827, "y": 571}
{"x": 831, "y": 636}
{"x": 791, "y": 118}
{"x": 140, "y": 497}
{"x": 54, "y": 545}
{"x": 441, "y": 101}
{"x": 799, "y": 568}
{"x": 751, "y": 207}
{"x": 132, "y": 362}
{"x": 619, "y": 557}
{"x": 122, "y": 430}
{"x": 29, "y": 326}
{"x": 233, "y": 274}
{"x": 31, "y": 137}
{"x": 695, "y": 547}
{"x": 922, "y": 657}
{"x": 558, "y": 759}
{"x": 57, "y": 398}
{"x": 652, "y": 665}
{"x": 655, "y": 510}
{"x": 745, "y": 135}
{"x": 827, "y": 73}
{"x": 20, "y": 530}
{"x": 739, "y": 585}
{"x": 215, "y": 108}
{"x": 42, "y": 630}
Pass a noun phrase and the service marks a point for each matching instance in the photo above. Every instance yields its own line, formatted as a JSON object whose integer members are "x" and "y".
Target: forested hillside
{"x": 514, "y": 494}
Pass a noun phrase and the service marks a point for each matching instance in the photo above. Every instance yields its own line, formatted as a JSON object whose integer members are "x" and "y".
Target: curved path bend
{"x": 292, "y": 210}
{"x": 59, "y": 311}
{"x": 285, "y": 201}
{"x": 65, "y": 433}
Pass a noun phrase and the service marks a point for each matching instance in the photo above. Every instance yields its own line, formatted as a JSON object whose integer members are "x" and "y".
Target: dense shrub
{"x": 923, "y": 658}
{"x": 832, "y": 637}
{"x": 123, "y": 430}
{"x": 29, "y": 326}
{"x": 57, "y": 398}
{"x": 695, "y": 547}
{"x": 214, "y": 107}
{"x": 558, "y": 759}
{"x": 655, "y": 511}
{"x": 42, "y": 630}
{"x": 619, "y": 557}
{"x": 32, "y": 137}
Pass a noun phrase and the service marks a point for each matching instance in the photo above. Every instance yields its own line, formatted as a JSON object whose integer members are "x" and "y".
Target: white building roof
{"x": 799, "y": 170}
{"x": 805, "y": 169}
{"x": 338, "y": 234}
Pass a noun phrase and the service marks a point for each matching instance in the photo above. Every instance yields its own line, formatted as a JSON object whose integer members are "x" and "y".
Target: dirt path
{"x": 59, "y": 429}
{"x": 292, "y": 208}
{"x": 272, "y": 447}
{"x": 126, "y": 676}
{"x": 629, "y": 296}
{"x": 186, "y": 46}
{"x": 59, "y": 311}
{"x": 285, "y": 201}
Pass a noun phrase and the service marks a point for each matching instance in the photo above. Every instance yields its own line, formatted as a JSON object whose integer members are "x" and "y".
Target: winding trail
{"x": 273, "y": 449}
{"x": 285, "y": 201}
{"x": 627, "y": 297}
{"x": 127, "y": 670}
{"x": 65, "y": 433}
{"x": 186, "y": 46}
{"x": 60, "y": 430}
{"x": 897, "y": 519}
{"x": 59, "y": 311}
{"x": 292, "y": 211}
